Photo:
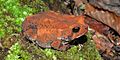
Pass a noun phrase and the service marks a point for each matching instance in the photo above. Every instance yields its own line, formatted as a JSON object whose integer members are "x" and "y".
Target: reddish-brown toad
{"x": 51, "y": 29}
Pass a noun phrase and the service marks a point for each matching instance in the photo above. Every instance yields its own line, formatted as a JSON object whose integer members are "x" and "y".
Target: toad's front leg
{"x": 60, "y": 45}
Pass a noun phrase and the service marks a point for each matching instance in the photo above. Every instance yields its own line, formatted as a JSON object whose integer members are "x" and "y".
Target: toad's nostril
{"x": 75, "y": 29}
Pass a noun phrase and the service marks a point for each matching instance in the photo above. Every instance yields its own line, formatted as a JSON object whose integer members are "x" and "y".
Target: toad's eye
{"x": 76, "y": 29}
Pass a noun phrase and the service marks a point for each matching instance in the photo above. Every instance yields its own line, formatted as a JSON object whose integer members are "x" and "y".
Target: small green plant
{"x": 89, "y": 51}
{"x": 50, "y": 54}
{"x": 15, "y": 53}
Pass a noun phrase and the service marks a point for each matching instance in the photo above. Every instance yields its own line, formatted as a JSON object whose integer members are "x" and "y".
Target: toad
{"x": 53, "y": 30}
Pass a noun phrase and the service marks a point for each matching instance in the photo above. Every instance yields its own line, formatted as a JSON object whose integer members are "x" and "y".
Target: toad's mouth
{"x": 65, "y": 39}
{"x": 79, "y": 40}
{"x": 68, "y": 38}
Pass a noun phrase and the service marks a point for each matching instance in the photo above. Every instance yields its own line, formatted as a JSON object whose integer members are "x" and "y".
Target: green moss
{"x": 15, "y": 53}
{"x": 38, "y": 5}
{"x": 89, "y": 51}
{"x": 12, "y": 16}
{"x": 13, "y": 13}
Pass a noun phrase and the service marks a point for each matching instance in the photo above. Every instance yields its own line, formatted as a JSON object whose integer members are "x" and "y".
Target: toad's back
{"x": 46, "y": 27}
